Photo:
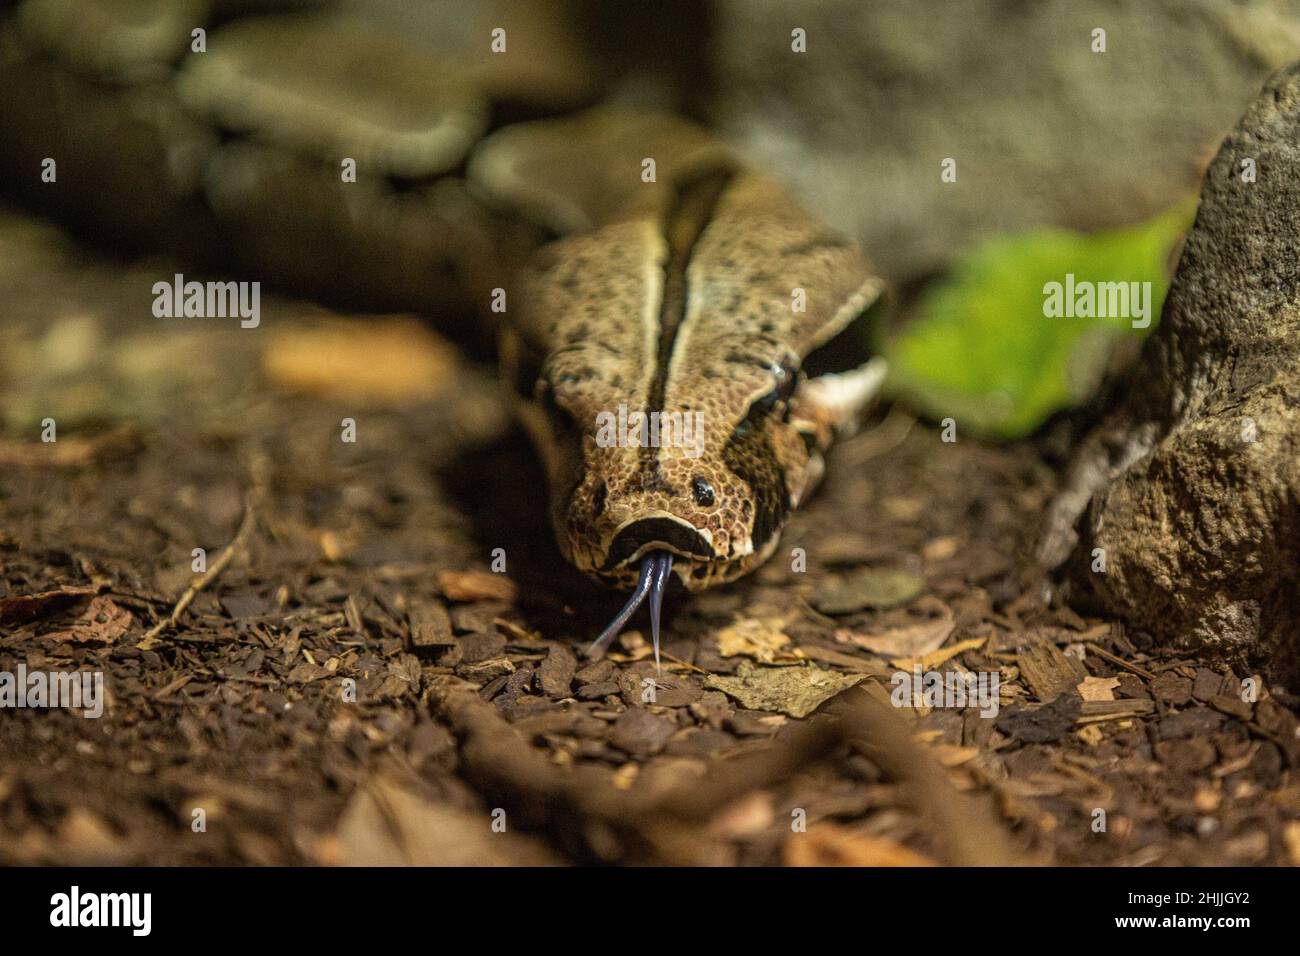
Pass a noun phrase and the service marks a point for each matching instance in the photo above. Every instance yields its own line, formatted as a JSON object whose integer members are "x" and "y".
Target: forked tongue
{"x": 656, "y": 568}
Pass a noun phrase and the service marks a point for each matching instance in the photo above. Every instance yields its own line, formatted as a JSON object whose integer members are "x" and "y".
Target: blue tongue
{"x": 655, "y": 571}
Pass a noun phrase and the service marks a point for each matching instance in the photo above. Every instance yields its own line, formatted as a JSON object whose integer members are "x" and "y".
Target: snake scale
{"x": 635, "y": 270}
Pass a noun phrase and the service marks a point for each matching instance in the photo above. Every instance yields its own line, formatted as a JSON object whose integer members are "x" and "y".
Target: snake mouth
{"x": 645, "y": 535}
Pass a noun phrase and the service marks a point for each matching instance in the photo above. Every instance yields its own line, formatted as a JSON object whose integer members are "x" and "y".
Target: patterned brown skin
{"x": 651, "y": 314}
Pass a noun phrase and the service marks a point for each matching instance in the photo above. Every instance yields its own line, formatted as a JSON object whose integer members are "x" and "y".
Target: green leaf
{"x": 983, "y": 349}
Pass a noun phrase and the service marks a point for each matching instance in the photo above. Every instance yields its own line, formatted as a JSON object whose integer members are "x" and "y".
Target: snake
{"x": 682, "y": 342}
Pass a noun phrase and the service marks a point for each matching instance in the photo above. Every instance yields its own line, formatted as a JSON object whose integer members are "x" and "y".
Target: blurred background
{"x": 1073, "y": 135}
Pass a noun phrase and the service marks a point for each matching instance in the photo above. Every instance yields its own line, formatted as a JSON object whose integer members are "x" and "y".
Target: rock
{"x": 118, "y": 42}
{"x": 1191, "y": 487}
{"x": 333, "y": 87}
{"x": 1043, "y": 130}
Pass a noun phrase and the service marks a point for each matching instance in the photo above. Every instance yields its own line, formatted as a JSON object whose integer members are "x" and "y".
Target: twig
{"x": 258, "y": 470}
{"x": 1116, "y": 659}
{"x": 591, "y": 817}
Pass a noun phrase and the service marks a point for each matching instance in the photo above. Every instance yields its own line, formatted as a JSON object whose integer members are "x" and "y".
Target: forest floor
{"x": 351, "y": 683}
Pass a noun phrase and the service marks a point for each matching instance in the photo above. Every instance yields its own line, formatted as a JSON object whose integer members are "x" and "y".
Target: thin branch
{"x": 259, "y": 469}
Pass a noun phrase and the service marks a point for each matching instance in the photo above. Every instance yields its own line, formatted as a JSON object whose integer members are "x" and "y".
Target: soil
{"x": 296, "y": 712}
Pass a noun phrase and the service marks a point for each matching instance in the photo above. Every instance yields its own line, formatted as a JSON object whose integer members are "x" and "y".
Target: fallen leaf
{"x": 103, "y": 622}
{"x": 476, "y": 586}
{"x": 870, "y": 588}
{"x": 22, "y": 608}
{"x": 1098, "y": 688}
{"x": 758, "y": 637}
{"x": 828, "y": 844}
{"x": 912, "y": 640}
{"x": 634, "y": 648}
{"x": 796, "y": 691}
{"x": 978, "y": 346}
{"x": 928, "y": 662}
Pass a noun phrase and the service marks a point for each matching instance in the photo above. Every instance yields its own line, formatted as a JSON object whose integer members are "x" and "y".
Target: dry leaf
{"x": 828, "y": 844}
{"x": 758, "y": 637}
{"x": 634, "y": 648}
{"x": 22, "y": 608}
{"x": 796, "y": 691}
{"x": 912, "y": 640}
{"x": 476, "y": 586}
{"x": 103, "y": 622}
{"x": 929, "y": 662}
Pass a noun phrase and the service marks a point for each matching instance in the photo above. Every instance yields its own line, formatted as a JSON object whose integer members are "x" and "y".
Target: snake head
{"x": 718, "y": 488}
{"x": 666, "y": 364}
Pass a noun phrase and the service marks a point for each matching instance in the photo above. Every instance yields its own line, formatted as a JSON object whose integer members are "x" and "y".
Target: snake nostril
{"x": 663, "y": 531}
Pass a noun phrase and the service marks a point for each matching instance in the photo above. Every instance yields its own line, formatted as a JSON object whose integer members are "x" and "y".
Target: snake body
{"x": 648, "y": 276}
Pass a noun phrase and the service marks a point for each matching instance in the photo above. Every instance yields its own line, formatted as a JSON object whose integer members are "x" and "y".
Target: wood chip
{"x": 430, "y": 625}
{"x": 1098, "y": 688}
{"x": 1047, "y": 670}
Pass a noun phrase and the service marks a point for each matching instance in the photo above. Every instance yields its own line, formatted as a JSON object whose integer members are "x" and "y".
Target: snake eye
{"x": 702, "y": 491}
{"x": 786, "y": 374}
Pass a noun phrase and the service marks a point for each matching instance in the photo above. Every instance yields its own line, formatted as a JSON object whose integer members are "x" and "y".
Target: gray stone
{"x": 1195, "y": 477}
{"x": 1044, "y": 131}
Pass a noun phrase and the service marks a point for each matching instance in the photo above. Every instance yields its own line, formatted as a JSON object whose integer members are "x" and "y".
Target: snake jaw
{"x": 656, "y": 569}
